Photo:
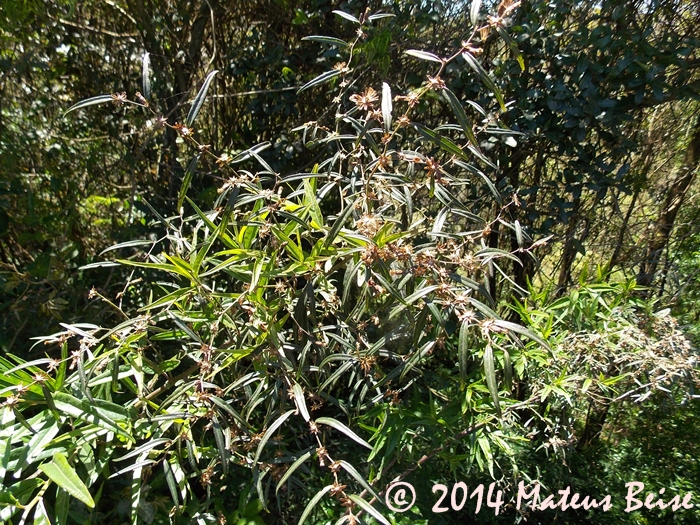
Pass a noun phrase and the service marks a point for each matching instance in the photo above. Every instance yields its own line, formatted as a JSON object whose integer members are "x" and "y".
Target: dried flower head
{"x": 366, "y": 100}
{"x": 337, "y": 488}
{"x": 369, "y": 224}
{"x": 183, "y": 130}
{"x": 342, "y": 67}
{"x": 403, "y": 121}
{"x": 141, "y": 98}
{"x": 323, "y": 456}
{"x": 119, "y": 98}
{"x": 436, "y": 83}
{"x": 433, "y": 167}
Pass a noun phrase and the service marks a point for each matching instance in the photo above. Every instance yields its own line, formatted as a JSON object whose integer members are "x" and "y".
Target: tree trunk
{"x": 678, "y": 189}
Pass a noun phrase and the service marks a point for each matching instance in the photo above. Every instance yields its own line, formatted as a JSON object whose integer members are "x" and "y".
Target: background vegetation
{"x": 300, "y": 249}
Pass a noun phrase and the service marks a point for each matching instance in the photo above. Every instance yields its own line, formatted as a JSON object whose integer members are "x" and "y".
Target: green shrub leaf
{"x": 63, "y": 475}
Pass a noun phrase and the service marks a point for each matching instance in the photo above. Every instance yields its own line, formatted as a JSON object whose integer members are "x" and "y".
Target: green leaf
{"x": 327, "y": 40}
{"x": 507, "y": 370}
{"x": 62, "y": 506}
{"x": 100, "y": 99}
{"x": 186, "y": 181}
{"x": 300, "y": 401}
{"x": 342, "y": 428}
{"x": 322, "y": 78}
{"x": 346, "y": 16}
{"x": 513, "y": 46}
{"x": 270, "y": 432}
{"x": 312, "y": 504}
{"x": 490, "y": 372}
{"x": 474, "y": 11}
{"x": 379, "y": 16}
{"x": 513, "y": 327}
{"x": 146, "y": 74}
{"x": 485, "y": 78}
{"x": 40, "y": 516}
{"x": 337, "y": 225}
{"x": 292, "y": 468}
{"x": 82, "y": 409}
{"x": 199, "y": 99}
{"x": 462, "y": 118}
{"x": 369, "y": 509}
{"x": 361, "y": 480}
{"x": 170, "y": 480}
{"x": 63, "y": 475}
{"x": 386, "y": 106}
{"x": 463, "y": 352}
{"x": 424, "y": 55}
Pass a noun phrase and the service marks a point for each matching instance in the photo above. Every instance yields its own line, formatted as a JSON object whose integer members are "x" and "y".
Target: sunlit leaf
{"x": 146, "y": 75}
{"x": 199, "y": 99}
{"x": 100, "y": 99}
{"x": 327, "y": 40}
{"x": 63, "y": 475}
{"x": 322, "y": 78}
{"x": 424, "y": 55}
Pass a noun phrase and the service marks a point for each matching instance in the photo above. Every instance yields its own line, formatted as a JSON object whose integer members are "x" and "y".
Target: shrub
{"x": 313, "y": 334}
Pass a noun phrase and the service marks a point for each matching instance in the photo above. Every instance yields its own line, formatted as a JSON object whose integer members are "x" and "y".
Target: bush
{"x": 314, "y": 334}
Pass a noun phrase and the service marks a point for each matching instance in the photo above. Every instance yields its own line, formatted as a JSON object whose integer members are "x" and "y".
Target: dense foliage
{"x": 292, "y": 252}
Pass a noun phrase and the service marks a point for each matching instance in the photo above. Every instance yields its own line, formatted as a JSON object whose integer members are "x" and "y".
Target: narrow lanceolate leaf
{"x": 300, "y": 401}
{"x": 462, "y": 118}
{"x": 170, "y": 480}
{"x": 186, "y": 181}
{"x": 220, "y": 444}
{"x": 513, "y": 46}
{"x": 327, "y": 40}
{"x": 485, "y": 78}
{"x": 322, "y": 78}
{"x": 337, "y": 225}
{"x": 62, "y": 506}
{"x": 199, "y": 99}
{"x": 346, "y": 16}
{"x": 463, "y": 352}
{"x": 379, "y": 16}
{"x": 490, "y": 372}
{"x": 314, "y": 501}
{"x": 386, "y": 106}
{"x": 270, "y": 432}
{"x": 513, "y": 327}
{"x": 342, "y": 428}
{"x": 369, "y": 509}
{"x": 40, "y": 515}
{"x": 146, "y": 73}
{"x": 424, "y": 55}
{"x": 100, "y": 99}
{"x": 63, "y": 475}
{"x": 358, "y": 477}
{"x": 292, "y": 468}
{"x": 507, "y": 371}
{"x": 474, "y": 11}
